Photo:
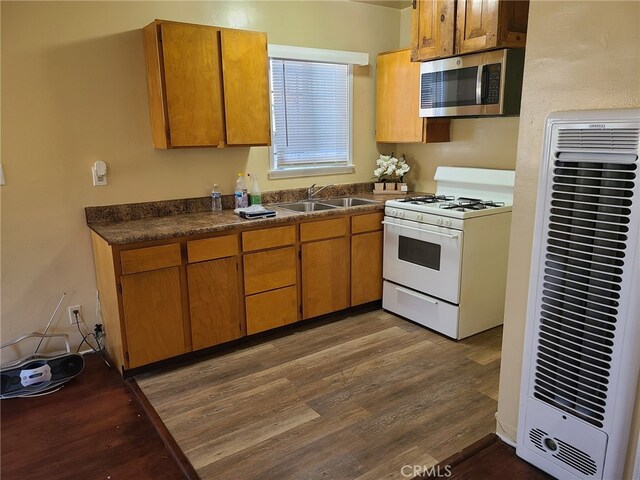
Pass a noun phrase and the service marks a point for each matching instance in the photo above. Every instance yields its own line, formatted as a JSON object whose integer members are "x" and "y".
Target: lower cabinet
{"x": 324, "y": 266}
{"x": 152, "y": 304}
{"x": 366, "y": 268}
{"x": 214, "y": 302}
{"x": 366, "y": 258}
{"x": 165, "y": 300}
{"x": 214, "y": 298}
{"x": 325, "y": 277}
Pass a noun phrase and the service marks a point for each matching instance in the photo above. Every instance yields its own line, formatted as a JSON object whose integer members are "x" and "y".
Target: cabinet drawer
{"x": 334, "y": 227}
{"x": 212, "y": 248}
{"x": 269, "y": 270}
{"x": 150, "y": 258}
{"x": 367, "y": 223}
{"x": 268, "y": 238}
{"x": 271, "y": 309}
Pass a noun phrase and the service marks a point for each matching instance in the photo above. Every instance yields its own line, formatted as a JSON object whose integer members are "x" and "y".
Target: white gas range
{"x": 445, "y": 255}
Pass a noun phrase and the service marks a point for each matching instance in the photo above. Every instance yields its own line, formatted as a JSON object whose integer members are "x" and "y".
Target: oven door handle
{"x": 413, "y": 294}
{"x": 421, "y": 230}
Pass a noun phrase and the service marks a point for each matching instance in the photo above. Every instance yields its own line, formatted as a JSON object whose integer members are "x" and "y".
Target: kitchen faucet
{"x": 311, "y": 192}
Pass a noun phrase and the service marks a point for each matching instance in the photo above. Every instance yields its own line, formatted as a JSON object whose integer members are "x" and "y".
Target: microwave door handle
{"x": 479, "y": 84}
{"x": 420, "y": 230}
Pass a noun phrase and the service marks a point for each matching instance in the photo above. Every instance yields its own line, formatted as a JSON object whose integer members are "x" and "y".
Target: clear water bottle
{"x": 216, "y": 199}
{"x": 241, "y": 196}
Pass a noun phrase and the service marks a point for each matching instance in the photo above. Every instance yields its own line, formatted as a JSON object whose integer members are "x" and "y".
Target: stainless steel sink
{"x": 324, "y": 204}
{"x": 305, "y": 206}
{"x": 347, "y": 201}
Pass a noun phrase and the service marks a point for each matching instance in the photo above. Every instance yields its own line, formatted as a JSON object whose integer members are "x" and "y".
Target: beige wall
{"x": 580, "y": 55}
{"x": 74, "y": 91}
{"x": 475, "y": 142}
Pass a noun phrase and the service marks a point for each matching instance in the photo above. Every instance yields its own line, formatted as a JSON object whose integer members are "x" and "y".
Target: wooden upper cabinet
{"x": 487, "y": 24}
{"x": 443, "y": 28}
{"x": 246, "y": 85}
{"x": 432, "y": 29}
{"x": 397, "y": 91}
{"x": 192, "y": 84}
{"x": 208, "y": 86}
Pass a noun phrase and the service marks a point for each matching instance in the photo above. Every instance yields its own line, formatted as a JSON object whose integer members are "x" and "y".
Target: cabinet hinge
{"x": 414, "y": 3}
{"x": 126, "y": 356}
{"x": 300, "y": 254}
{"x": 120, "y": 288}
{"x": 169, "y": 135}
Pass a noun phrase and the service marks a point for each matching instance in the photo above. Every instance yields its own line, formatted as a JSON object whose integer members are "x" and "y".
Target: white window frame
{"x": 286, "y": 52}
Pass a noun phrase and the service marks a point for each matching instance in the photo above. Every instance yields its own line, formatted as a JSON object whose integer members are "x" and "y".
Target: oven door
{"x": 423, "y": 257}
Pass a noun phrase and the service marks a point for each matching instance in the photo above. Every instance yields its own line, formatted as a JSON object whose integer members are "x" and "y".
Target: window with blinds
{"x": 311, "y": 108}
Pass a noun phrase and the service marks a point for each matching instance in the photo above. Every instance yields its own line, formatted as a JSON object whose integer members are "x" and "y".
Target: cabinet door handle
{"x": 414, "y": 3}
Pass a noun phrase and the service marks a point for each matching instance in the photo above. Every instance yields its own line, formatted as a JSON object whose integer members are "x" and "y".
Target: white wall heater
{"x": 582, "y": 341}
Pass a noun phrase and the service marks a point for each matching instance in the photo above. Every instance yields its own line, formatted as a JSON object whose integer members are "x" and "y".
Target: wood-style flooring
{"x": 90, "y": 429}
{"x": 354, "y": 398}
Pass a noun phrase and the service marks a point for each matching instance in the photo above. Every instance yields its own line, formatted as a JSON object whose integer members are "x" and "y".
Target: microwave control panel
{"x": 491, "y": 80}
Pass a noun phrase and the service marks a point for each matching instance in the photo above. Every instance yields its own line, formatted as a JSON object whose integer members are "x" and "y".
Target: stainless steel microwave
{"x": 474, "y": 85}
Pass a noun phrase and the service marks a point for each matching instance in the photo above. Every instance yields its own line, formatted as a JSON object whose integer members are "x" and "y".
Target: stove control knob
{"x": 448, "y": 222}
{"x": 439, "y": 221}
{"x": 400, "y": 213}
{"x": 393, "y": 212}
{"x": 419, "y": 216}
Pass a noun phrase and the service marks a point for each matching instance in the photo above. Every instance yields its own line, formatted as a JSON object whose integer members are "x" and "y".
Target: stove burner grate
{"x": 428, "y": 199}
{"x": 465, "y": 204}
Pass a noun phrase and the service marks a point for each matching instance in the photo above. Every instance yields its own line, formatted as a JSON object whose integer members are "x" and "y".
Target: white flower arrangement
{"x": 391, "y": 168}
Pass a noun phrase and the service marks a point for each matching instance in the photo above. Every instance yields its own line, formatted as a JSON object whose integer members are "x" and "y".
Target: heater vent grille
{"x": 563, "y": 451}
{"x": 585, "y": 249}
{"x": 605, "y": 139}
{"x": 575, "y": 458}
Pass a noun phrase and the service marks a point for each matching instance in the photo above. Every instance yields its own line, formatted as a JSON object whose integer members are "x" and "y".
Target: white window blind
{"x": 311, "y": 107}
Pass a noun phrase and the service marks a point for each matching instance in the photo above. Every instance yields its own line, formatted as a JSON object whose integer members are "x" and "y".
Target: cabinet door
{"x": 432, "y": 29}
{"x": 192, "y": 76}
{"x": 366, "y": 267}
{"x": 152, "y": 305}
{"x": 397, "y": 91}
{"x": 246, "y": 87}
{"x": 477, "y": 25}
{"x": 325, "y": 277}
{"x": 486, "y": 24}
{"x": 214, "y": 302}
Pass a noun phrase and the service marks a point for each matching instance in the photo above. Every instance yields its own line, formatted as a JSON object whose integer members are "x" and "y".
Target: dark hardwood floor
{"x": 93, "y": 428}
{"x": 490, "y": 459}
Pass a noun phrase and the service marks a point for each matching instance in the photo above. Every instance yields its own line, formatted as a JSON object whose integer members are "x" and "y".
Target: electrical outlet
{"x": 72, "y": 316}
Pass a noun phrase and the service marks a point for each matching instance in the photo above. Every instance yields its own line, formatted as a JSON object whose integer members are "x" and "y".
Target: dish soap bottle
{"x": 242, "y": 199}
{"x": 216, "y": 199}
{"x": 256, "y": 196}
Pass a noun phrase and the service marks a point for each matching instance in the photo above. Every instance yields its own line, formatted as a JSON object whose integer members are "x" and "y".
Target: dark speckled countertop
{"x": 132, "y": 223}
